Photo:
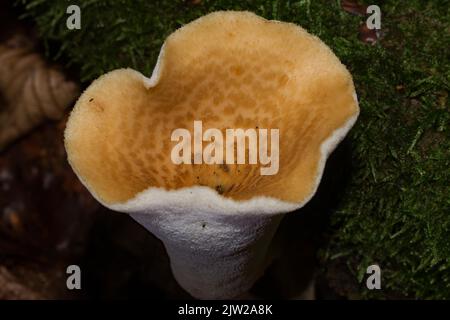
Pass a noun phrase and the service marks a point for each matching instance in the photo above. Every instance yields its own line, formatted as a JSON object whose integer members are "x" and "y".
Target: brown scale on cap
{"x": 229, "y": 70}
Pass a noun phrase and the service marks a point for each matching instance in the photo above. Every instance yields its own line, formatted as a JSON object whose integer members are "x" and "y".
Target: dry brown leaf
{"x": 354, "y": 7}
{"x": 367, "y": 35}
{"x": 31, "y": 91}
{"x": 11, "y": 289}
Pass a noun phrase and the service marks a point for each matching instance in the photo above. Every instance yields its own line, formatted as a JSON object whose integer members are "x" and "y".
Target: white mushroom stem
{"x": 217, "y": 247}
{"x": 212, "y": 256}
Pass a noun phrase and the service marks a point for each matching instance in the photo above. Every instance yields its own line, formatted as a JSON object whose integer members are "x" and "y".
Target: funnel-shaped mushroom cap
{"x": 228, "y": 70}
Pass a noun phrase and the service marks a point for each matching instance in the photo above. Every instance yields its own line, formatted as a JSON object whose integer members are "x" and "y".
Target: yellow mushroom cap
{"x": 229, "y": 70}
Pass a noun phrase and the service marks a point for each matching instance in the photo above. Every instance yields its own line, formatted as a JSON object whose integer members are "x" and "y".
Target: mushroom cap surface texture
{"x": 229, "y": 70}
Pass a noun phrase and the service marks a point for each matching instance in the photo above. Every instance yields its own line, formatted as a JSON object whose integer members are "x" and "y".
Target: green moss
{"x": 396, "y": 208}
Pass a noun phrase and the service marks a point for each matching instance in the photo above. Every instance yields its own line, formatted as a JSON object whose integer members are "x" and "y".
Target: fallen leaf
{"x": 31, "y": 90}
{"x": 367, "y": 35}
{"x": 354, "y": 7}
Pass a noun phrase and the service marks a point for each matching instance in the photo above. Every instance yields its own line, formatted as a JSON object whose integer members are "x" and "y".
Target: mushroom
{"x": 228, "y": 70}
